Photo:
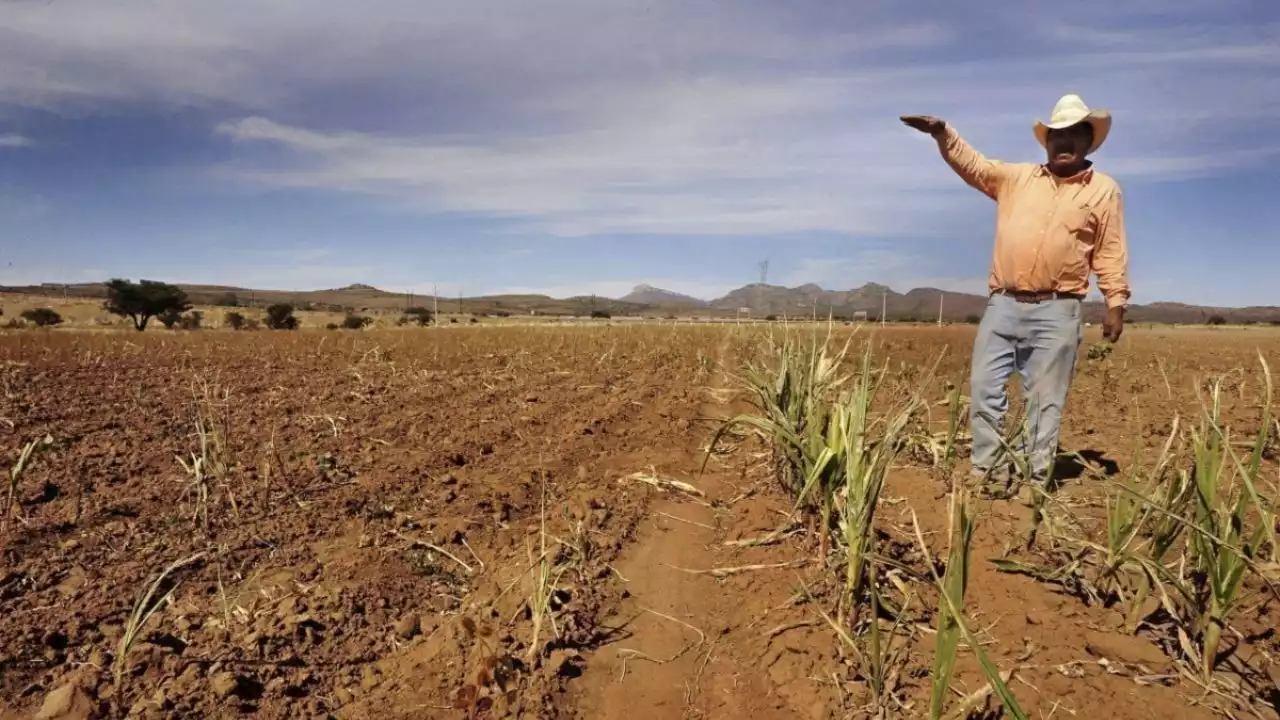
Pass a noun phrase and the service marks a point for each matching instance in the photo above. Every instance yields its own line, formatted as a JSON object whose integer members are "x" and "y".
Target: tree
{"x": 601, "y": 314}
{"x": 1217, "y": 320}
{"x": 42, "y": 317}
{"x": 973, "y": 319}
{"x": 144, "y": 300}
{"x": 233, "y": 320}
{"x": 280, "y": 317}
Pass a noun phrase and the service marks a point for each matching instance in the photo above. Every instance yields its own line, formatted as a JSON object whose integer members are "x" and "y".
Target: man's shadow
{"x": 1069, "y": 466}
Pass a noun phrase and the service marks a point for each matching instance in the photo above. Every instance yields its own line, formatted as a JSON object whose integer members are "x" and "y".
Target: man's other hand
{"x": 925, "y": 123}
{"x": 1114, "y": 324}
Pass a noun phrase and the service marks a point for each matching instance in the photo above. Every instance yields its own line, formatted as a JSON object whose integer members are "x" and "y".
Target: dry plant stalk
{"x": 211, "y": 464}
{"x": 1190, "y": 537}
{"x": 1223, "y": 547}
{"x": 953, "y": 585}
{"x": 864, "y": 448}
{"x": 143, "y": 609}
{"x": 13, "y": 506}
{"x": 951, "y": 623}
{"x": 546, "y": 575}
{"x": 662, "y": 484}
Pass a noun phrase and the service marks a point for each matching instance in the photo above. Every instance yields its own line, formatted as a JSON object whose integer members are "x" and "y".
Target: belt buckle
{"x": 1028, "y": 297}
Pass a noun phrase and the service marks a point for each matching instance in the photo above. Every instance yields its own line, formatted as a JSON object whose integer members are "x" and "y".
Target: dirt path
{"x": 692, "y": 645}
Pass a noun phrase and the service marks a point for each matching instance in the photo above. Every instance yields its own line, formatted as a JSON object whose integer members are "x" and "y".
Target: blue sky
{"x": 579, "y": 146}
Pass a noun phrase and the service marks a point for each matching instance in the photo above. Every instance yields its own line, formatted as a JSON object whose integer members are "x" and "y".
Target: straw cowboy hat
{"x": 1071, "y": 110}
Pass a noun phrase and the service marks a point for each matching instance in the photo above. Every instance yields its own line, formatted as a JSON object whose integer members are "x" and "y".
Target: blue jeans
{"x": 1039, "y": 341}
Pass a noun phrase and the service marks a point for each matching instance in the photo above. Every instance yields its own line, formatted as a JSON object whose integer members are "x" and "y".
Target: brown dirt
{"x": 316, "y": 596}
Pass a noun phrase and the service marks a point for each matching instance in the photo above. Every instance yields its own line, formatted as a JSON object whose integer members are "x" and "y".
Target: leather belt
{"x": 1025, "y": 296}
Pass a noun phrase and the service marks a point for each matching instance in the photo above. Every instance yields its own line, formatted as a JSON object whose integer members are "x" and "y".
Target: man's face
{"x": 1067, "y": 147}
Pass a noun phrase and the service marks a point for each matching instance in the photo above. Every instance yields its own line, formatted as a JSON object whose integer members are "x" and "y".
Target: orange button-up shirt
{"x": 1050, "y": 231}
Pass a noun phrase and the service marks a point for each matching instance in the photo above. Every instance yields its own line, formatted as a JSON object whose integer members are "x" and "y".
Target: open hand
{"x": 924, "y": 123}
{"x": 1113, "y": 325}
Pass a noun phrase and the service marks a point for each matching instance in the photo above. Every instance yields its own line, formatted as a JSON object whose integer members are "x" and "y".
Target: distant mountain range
{"x": 755, "y": 300}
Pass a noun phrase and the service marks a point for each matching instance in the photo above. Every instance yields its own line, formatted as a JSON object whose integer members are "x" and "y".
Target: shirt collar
{"x": 1082, "y": 177}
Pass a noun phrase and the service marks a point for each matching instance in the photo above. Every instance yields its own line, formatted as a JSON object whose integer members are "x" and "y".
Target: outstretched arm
{"x": 972, "y": 166}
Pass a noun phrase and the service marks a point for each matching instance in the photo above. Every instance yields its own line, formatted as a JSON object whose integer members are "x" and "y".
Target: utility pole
{"x": 435, "y": 304}
{"x": 884, "y": 304}
{"x": 764, "y": 271}
{"x": 940, "y": 296}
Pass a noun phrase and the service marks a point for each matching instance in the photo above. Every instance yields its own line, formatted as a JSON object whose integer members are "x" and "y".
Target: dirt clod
{"x": 408, "y": 626}
{"x": 224, "y": 684}
{"x": 69, "y": 701}
{"x": 1125, "y": 649}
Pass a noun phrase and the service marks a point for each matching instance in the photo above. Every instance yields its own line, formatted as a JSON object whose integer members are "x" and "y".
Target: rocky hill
{"x": 657, "y": 297}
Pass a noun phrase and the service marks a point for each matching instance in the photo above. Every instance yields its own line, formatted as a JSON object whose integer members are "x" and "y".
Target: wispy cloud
{"x": 789, "y": 148}
{"x": 646, "y": 118}
{"x": 12, "y": 140}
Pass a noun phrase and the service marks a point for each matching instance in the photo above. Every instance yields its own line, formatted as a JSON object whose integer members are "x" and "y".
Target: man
{"x": 1055, "y": 223}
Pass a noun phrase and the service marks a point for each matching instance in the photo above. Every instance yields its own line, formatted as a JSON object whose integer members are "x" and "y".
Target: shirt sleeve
{"x": 972, "y": 166}
{"x": 1111, "y": 255}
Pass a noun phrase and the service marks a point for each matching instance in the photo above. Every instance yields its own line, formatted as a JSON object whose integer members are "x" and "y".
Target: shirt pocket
{"x": 1076, "y": 221}
{"x": 1076, "y": 230}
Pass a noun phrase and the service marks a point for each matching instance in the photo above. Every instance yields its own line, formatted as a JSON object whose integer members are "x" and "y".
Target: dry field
{"x": 516, "y": 522}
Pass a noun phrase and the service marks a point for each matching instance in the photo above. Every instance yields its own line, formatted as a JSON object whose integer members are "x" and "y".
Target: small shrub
{"x": 1216, "y": 320}
{"x": 42, "y": 317}
{"x": 973, "y": 319}
{"x": 420, "y": 315}
{"x": 14, "y": 324}
{"x": 170, "y": 318}
{"x": 280, "y": 317}
{"x": 601, "y": 314}
{"x": 771, "y": 318}
{"x": 331, "y": 326}
{"x": 356, "y": 322}
{"x": 233, "y": 320}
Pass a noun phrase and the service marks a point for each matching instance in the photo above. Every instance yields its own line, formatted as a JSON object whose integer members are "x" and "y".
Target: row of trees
{"x": 147, "y": 299}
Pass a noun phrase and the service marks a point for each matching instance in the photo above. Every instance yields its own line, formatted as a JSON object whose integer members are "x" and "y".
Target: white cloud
{"x": 13, "y": 140}
{"x": 579, "y": 118}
